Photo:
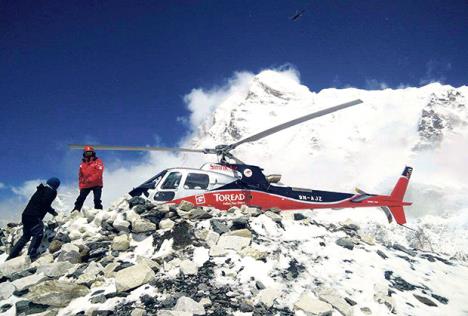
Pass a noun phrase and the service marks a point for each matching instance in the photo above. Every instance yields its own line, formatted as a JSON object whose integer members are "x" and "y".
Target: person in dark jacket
{"x": 90, "y": 178}
{"x": 39, "y": 205}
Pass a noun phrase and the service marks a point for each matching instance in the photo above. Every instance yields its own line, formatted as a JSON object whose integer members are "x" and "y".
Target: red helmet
{"x": 88, "y": 148}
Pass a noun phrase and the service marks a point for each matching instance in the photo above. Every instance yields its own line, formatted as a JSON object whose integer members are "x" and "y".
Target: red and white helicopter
{"x": 223, "y": 185}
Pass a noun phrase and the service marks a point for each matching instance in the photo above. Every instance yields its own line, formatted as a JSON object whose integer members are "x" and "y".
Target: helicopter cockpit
{"x": 176, "y": 183}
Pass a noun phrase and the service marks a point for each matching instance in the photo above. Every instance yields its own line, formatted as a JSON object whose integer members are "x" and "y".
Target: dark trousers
{"x": 97, "y": 191}
{"x": 36, "y": 231}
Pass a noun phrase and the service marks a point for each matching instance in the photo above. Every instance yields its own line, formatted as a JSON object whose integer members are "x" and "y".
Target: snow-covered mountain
{"x": 365, "y": 146}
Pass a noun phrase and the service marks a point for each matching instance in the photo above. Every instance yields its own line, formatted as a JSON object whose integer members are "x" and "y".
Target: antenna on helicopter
{"x": 224, "y": 151}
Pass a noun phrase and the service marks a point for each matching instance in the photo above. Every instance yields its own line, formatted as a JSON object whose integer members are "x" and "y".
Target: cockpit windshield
{"x": 148, "y": 185}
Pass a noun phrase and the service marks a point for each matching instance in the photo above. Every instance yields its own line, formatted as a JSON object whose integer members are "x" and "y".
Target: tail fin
{"x": 398, "y": 194}
{"x": 400, "y": 188}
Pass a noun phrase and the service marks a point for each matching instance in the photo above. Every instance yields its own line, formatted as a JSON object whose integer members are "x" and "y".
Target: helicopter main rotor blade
{"x": 138, "y": 148}
{"x": 295, "y": 122}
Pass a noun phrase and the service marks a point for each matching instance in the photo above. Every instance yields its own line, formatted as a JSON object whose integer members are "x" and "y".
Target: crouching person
{"x": 39, "y": 205}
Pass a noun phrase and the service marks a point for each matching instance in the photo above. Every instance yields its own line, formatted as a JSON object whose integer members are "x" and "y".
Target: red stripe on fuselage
{"x": 226, "y": 199}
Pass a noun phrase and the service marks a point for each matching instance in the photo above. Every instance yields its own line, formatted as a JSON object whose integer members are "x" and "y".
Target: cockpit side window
{"x": 197, "y": 181}
{"x": 172, "y": 181}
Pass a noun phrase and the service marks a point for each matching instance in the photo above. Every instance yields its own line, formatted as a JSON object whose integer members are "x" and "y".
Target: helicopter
{"x": 232, "y": 183}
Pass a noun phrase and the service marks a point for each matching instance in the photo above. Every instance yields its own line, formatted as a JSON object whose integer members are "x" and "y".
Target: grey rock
{"x": 55, "y": 246}
{"x": 332, "y": 297}
{"x": 28, "y": 308}
{"x": 260, "y": 285}
{"x": 382, "y": 254}
{"x": 14, "y": 265}
{"x": 142, "y": 226}
{"x": 69, "y": 253}
{"x": 345, "y": 242}
{"x": 233, "y": 242}
{"x": 121, "y": 225}
{"x": 56, "y": 269}
{"x": 133, "y": 277}
{"x": 25, "y": 283}
{"x": 185, "y": 206}
{"x": 219, "y": 227}
{"x": 98, "y": 299}
{"x": 136, "y": 200}
{"x": 55, "y": 293}
{"x": 299, "y": 217}
{"x": 425, "y": 300}
{"x": 312, "y": 306}
{"x": 186, "y": 304}
{"x": 120, "y": 243}
{"x": 6, "y": 290}
{"x": 274, "y": 216}
{"x": 246, "y": 308}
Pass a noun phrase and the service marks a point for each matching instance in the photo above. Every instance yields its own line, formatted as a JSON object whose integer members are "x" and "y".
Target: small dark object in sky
{"x": 297, "y": 16}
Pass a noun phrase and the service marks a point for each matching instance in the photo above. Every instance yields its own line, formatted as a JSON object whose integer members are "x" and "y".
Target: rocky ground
{"x": 142, "y": 259}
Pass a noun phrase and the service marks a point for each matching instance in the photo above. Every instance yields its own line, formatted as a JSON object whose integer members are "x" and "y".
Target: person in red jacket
{"x": 90, "y": 178}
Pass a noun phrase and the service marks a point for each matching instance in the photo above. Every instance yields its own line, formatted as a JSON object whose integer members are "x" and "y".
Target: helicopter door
{"x": 169, "y": 188}
{"x": 196, "y": 183}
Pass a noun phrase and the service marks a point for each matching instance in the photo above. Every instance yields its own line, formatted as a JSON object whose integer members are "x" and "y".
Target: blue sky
{"x": 116, "y": 72}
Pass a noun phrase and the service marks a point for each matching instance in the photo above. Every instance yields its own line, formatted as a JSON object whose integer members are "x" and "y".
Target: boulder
{"x": 166, "y": 224}
{"x": 133, "y": 277}
{"x": 56, "y": 269}
{"x": 233, "y": 242}
{"x": 150, "y": 263}
{"x": 27, "y": 282}
{"x": 42, "y": 260}
{"x": 268, "y": 296}
{"x": 138, "y": 312}
{"x": 142, "y": 226}
{"x": 121, "y": 225}
{"x": 368, "y": 239}
{"x": 299, "y": 217}
{"x": 253, "y": 252}
{"x": 381, "y": 296}
{"x": 212, "y": 238}
{"x": 241, "y": 233}
{"x": 217, "y": 251}
{"x": 199, "y": 213}
{"x": 27, "y": 308}
{"x": 250, "y": 211}
{"x": 332, "y": 297}
{"x": 56, "y": 293}
{"x": 120, "y": 243}
{"x": 6, "y": 290}
{"x": 186, "y": 304}
{"x": 345, "y": 242}
{"x": 219, "y": 226}
{"x": 165, "y": 312}
{"x": 55, "y": 246}
{"x": 136, "y": 200}
{"x": 69, "y": 253}
{"x": 274, "y": 216}
{"x": 312, "y": 306}
{"x": 425, "y": 300}
{"x": 188, "y": 267}
{"x": 239, "y": 223}
{"x": 14, "y": 265}
{"x": 186, "y": 206}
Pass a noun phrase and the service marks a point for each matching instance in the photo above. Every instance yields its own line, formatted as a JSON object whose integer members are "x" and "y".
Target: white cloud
{"x": 373, "y": 84}
{"x": 2, "y": 185}
{"x": 201, "y": 103}
{"x": 436, "y": 71}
